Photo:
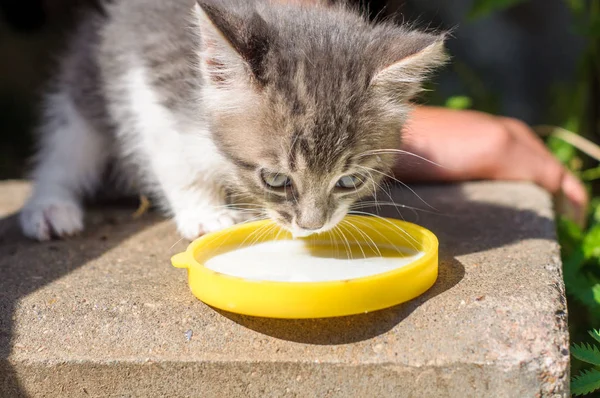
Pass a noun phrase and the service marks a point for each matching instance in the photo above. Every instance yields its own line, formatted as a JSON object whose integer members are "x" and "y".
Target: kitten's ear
{"x": 232, "y": 45}
{"x": 407, "y": 63}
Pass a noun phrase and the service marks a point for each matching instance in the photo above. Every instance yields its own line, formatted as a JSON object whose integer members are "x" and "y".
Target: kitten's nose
{"x": 305, "y": 226}
{"x": 311, "y": 221}
{"x": 310, "y": 225}
{"x": 312, "y": 215}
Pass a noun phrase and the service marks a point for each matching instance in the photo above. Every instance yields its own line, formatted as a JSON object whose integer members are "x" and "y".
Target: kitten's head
{"x": 305, "y": 102}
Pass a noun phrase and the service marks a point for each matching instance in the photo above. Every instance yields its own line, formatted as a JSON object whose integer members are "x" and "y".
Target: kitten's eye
{"x": 275, "y": 180}
{"x": 350, "y": 182}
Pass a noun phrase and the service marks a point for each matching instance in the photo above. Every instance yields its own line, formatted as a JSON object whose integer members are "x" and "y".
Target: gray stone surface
{"x": 104, "y": 314}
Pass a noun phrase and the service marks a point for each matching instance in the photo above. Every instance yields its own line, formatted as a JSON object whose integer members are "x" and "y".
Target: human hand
{"x": 470, "y": 145}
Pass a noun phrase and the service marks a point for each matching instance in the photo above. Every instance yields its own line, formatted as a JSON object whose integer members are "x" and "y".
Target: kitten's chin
{"x": 302, "y": 233}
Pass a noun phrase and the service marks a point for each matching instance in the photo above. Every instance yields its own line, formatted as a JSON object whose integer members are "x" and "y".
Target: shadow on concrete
{"x": 462, "y": 226}
{"x": 350, "y": 329}
{"x": 19, "y": 276}
{"x": 465, "y": 226}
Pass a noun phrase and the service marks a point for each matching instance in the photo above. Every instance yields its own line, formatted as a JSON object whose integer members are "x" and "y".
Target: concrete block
{"x": 105, "y": 315}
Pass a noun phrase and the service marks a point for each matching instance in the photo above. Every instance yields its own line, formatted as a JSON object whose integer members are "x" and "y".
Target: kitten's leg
{"x": 201, "y": 209}
{"x": 70, "y": 163}
{"x": 191, "y": 185}
{"x": 179, "y": 162}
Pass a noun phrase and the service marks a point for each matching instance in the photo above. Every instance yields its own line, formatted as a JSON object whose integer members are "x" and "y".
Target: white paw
{"x": 43, "y": 219}
{"x": 194, "y": 224}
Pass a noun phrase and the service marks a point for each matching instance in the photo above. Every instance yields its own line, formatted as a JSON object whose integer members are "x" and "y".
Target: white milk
{"x": 297, "y": 261}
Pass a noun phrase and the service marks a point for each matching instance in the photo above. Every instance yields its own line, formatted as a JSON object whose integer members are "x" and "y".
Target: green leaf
{"x": 591, "y": 30}
{"x": 573, "y": 123}
{"x": 586, "y": 382}
{"x": 570, "y": 235}
{"x": 459, "y": 102}
{"x": 483, "y": 8}
{"x": 591, "y": 174}
{"x": 587, "y": 353}
{"x": 576, "y": 5}
{"x": 591, "y": 243}
{"x": 573, "y": 263}
{"x": 595, "y": 334}
{"x": 596, "y": 292}
{"x": 595, "y": 206}
{"x": 564, "y": 151}
{"x": 578, "y": 284}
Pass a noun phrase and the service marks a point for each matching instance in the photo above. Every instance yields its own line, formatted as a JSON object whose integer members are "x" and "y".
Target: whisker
{"x": 253, "y": 233}
{"x": 278, "y": 233}
{"x": 264, "y": 233}
{"x": 366, "y": 225}
{"x": 175, "y": 244}
{"x": 346, "y": 243}
{"x": 239, "y": 204}
{"x": 392, "y": 244}
{"x": 341, "y": 241}
{"x": 392, "y": 199}
{"x": 381, "y": 219}
{"x": 384, "y": 151}
{"x": 257, "y": 218}
{"x": 400, "y": 182}
{"x": 364, "y": 234}
{"x": 238, "y": 195}
{"x": 376, "y": 187}
{"x": 371, "y": 203}
{"x": 226, "y": 238}
{"x": 333, "y": 241}
{"x": 359, "y": 246}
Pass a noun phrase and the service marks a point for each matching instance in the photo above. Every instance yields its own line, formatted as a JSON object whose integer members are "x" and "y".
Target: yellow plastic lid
{"x": 372, "y": 236}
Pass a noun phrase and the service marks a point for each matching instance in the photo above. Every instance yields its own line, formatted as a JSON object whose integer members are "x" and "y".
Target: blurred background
{"x": 536, "y": 60}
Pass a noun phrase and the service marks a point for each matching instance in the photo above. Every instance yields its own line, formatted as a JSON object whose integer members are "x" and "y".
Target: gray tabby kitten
{"x": 290, "y": 107}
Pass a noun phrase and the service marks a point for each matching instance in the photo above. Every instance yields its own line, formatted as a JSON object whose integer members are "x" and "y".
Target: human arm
{"x": 470, "y": 145}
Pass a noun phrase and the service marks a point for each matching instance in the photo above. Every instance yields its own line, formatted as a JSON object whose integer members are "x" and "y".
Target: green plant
{"x": 483, "y": 8}
{"x": 588, "y": 380}
{"x": 580, "y": 249}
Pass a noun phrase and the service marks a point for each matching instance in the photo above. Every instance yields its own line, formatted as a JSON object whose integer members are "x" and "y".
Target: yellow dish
{"x": 368, "y": 240}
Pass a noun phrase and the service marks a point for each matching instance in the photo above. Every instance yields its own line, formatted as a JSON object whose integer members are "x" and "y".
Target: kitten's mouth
{"x": 303, "y": 233}
{"x": 298, "y": 232}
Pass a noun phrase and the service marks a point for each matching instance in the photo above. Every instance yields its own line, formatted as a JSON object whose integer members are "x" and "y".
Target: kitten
{"x": 285, "y": 106}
